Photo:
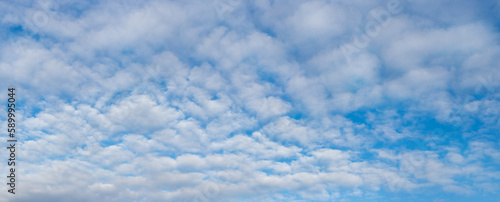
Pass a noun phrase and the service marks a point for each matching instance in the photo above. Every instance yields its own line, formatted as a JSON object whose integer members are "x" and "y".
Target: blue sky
{"x": 265, "y": 100}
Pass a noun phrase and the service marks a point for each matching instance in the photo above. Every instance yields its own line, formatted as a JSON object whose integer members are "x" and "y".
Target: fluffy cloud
{"x": 231, "y": 100}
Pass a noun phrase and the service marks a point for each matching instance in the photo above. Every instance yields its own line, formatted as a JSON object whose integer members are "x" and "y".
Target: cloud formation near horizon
{"x": 265, "y": 100}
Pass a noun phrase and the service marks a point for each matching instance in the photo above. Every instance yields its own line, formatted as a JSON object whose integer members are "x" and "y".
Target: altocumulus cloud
{"x": 235, "y": 100}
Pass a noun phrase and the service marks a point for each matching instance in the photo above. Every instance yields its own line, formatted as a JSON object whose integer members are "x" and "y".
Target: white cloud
{"x": 141, "y": 112}
{"x": 154, "y": 101}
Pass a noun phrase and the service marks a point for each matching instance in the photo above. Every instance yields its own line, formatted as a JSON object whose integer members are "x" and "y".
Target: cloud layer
{"x": 232, "y": 100}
